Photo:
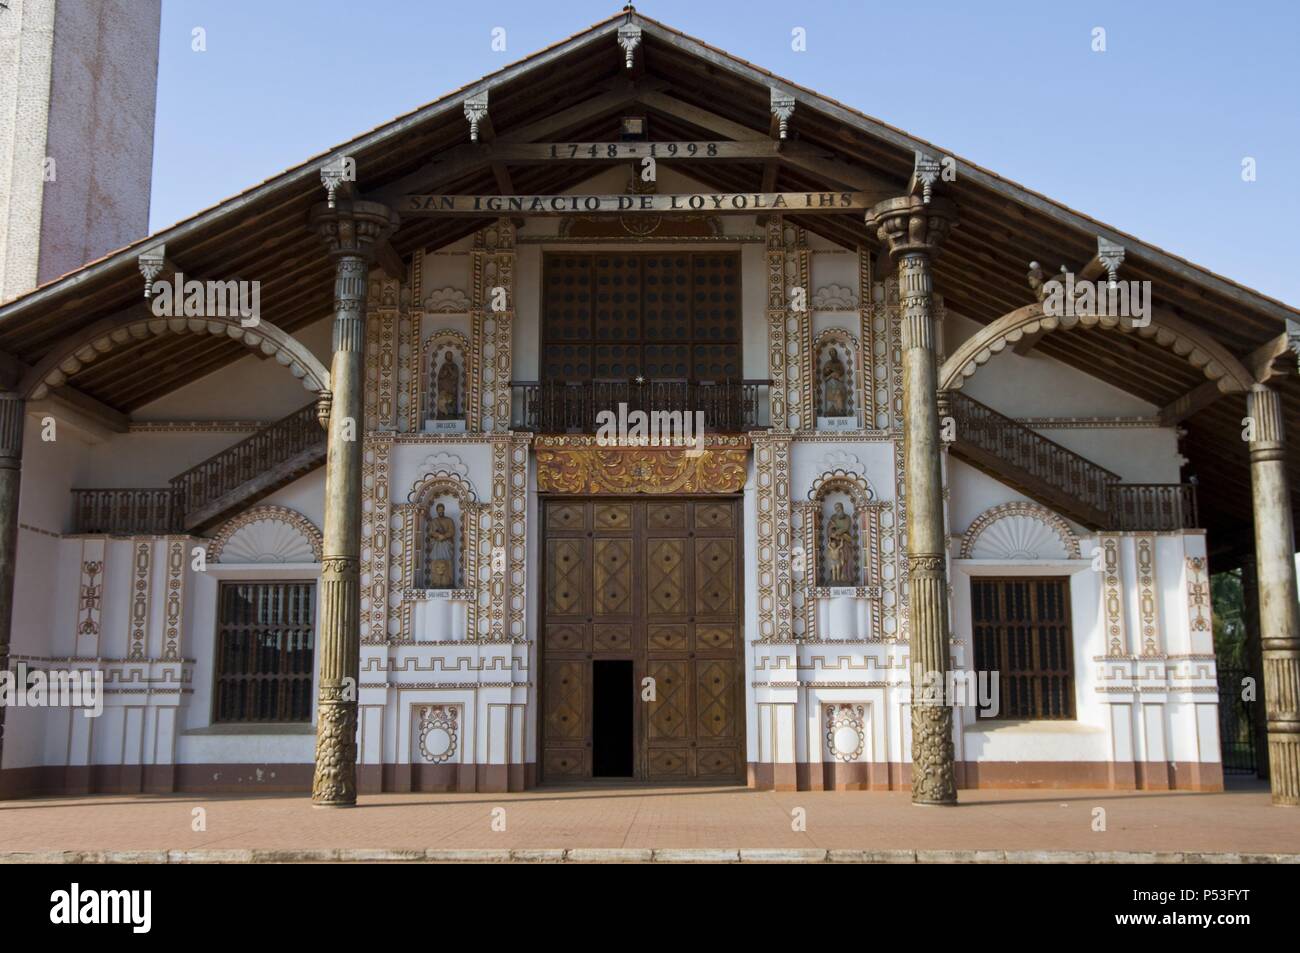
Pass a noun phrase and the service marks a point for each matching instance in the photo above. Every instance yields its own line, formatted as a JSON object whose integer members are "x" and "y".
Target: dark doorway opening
{"x": 611, "y": 729}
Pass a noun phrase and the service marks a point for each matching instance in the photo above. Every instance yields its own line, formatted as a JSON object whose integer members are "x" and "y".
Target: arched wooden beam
{"x": 138, "y": 324}
{"x": 1165, "y": 329}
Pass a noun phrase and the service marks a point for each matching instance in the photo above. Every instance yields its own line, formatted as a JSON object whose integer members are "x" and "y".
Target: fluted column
{"x": 350, "y": 230}
{"x": 1279, "y": 612}
{"x": 912, "y": 229}
{"x": 12, "y": 411}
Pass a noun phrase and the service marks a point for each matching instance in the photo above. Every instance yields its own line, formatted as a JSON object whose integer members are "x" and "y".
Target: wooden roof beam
{"x": 833, "y": 171}
{"x": 1265, "y": 363}
{"x": 387, "y": 258}
{"x": 481, "y": 130}
{"x": 82, "y": 411}
{"x": 86, "y": 408}
{"x": 465, "y": 159}
{"x": 1193, "y": 402}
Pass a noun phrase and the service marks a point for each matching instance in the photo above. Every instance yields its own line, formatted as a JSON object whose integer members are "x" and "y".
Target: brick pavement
{"x": 629, "y": 818}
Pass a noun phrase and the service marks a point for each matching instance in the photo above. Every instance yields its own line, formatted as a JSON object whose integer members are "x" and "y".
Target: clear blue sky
{"x": 1148, "y": 136}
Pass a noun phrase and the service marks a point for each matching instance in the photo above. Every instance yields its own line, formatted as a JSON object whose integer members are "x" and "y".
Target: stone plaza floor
{"x": 625, "y": 822}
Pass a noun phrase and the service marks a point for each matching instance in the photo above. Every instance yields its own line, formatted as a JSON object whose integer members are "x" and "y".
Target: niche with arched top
{"x": 838, "y": 379}
{"x": 446, "y": 376}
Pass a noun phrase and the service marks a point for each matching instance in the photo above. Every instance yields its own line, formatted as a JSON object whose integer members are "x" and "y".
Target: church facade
{"x": 577, "y": 427}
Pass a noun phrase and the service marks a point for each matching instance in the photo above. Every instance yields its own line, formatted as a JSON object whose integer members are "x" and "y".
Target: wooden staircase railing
{"x": 257, "y": 465}
{"x": 202, "y": 484}
{"x": 1058, "y": 477}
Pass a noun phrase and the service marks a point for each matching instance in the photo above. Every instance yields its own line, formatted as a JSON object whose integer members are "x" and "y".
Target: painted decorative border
{"x": 142, "y": 574}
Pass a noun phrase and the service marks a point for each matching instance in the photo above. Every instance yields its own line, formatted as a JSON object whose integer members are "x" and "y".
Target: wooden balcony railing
{"x": 1152, "y": 507}
{"x": 572, "y": 407}
{"x": 121, "y": 512}
{"x": 227, "y": 470}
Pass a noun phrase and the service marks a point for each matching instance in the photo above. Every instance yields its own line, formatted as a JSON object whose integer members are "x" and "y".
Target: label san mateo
{"x": 589, "y": 204}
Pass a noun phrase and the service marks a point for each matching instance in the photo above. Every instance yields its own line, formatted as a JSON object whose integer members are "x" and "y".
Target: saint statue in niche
{"x": 839, "y": 548}
{"x": 835, "y": 392}
{"x": 447, "y": 394}
{"x": 442, "y": 549}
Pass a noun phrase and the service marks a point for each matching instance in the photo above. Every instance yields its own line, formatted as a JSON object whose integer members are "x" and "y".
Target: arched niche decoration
{"x": 70, "y": 356}
{"x": 845, "y": 344}
{"x": 266, "y": 534}
{"x": 450, "y": 488}
{"x": 435, "y": 350}
{"x": 1019, "y": 531}
{"x": 1167, "y": 330}
{"x": 843, "y": 486}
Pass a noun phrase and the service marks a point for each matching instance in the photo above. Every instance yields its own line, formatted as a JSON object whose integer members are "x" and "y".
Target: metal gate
{"x": 1236, "y": 723}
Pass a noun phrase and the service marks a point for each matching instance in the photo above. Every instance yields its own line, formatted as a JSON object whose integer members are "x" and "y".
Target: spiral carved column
{"x": 12, "y": 412}
{"x": 351, "y": 231}
{"x": 912, "y": 228}
{"x": 1279, "y": 612}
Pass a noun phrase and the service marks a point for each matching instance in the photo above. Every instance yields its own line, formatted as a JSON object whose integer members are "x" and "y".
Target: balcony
{"x": 572, "y": 406}
{"x": 1152, "y": 507}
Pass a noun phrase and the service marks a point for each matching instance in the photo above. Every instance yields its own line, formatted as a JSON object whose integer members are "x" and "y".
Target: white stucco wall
{"x": 856, "y": 660}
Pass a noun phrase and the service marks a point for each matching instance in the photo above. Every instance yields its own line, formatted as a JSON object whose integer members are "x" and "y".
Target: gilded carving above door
{"x": 577, "y": 464}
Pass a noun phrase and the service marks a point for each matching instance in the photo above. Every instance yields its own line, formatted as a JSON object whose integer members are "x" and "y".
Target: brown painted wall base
{"x": 893, "y": 776}
{"x": 501, "y": 778}
{"x": 258, "y": 778}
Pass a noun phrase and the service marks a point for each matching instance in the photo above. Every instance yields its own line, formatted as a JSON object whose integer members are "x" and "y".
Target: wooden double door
{"x": 641, "y": 590}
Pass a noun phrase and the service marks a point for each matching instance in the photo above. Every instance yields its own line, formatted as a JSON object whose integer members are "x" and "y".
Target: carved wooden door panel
{"x": 566, "y": 640}
{"x": 656, "y": 582}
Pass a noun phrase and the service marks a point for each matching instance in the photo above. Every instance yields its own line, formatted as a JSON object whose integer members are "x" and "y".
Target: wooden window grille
{"x": 663, "y": 316}
{"x": 266, "y": 638}
{"x": 1022, "y": 632}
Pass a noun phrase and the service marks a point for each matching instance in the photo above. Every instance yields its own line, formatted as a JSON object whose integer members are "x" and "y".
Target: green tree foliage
{"x": 1229, "y": 620}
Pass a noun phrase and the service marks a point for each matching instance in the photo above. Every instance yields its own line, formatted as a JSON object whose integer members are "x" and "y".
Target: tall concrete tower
{"x": 78, "y": 87}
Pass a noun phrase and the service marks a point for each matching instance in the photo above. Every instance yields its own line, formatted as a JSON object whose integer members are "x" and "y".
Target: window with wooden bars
{"x": 1022, "y": 632}
{"x": 266, "y": 636}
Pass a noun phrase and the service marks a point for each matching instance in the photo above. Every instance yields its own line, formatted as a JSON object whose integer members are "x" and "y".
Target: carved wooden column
{"x": 13, "y": 409}
{"x": 351, "y": 230}
{"x": 1279, "y": 611}
{"x": 912, "y": 229}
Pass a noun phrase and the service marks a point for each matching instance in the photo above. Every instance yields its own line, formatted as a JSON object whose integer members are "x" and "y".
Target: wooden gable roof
{"x": 578, "y": 90}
